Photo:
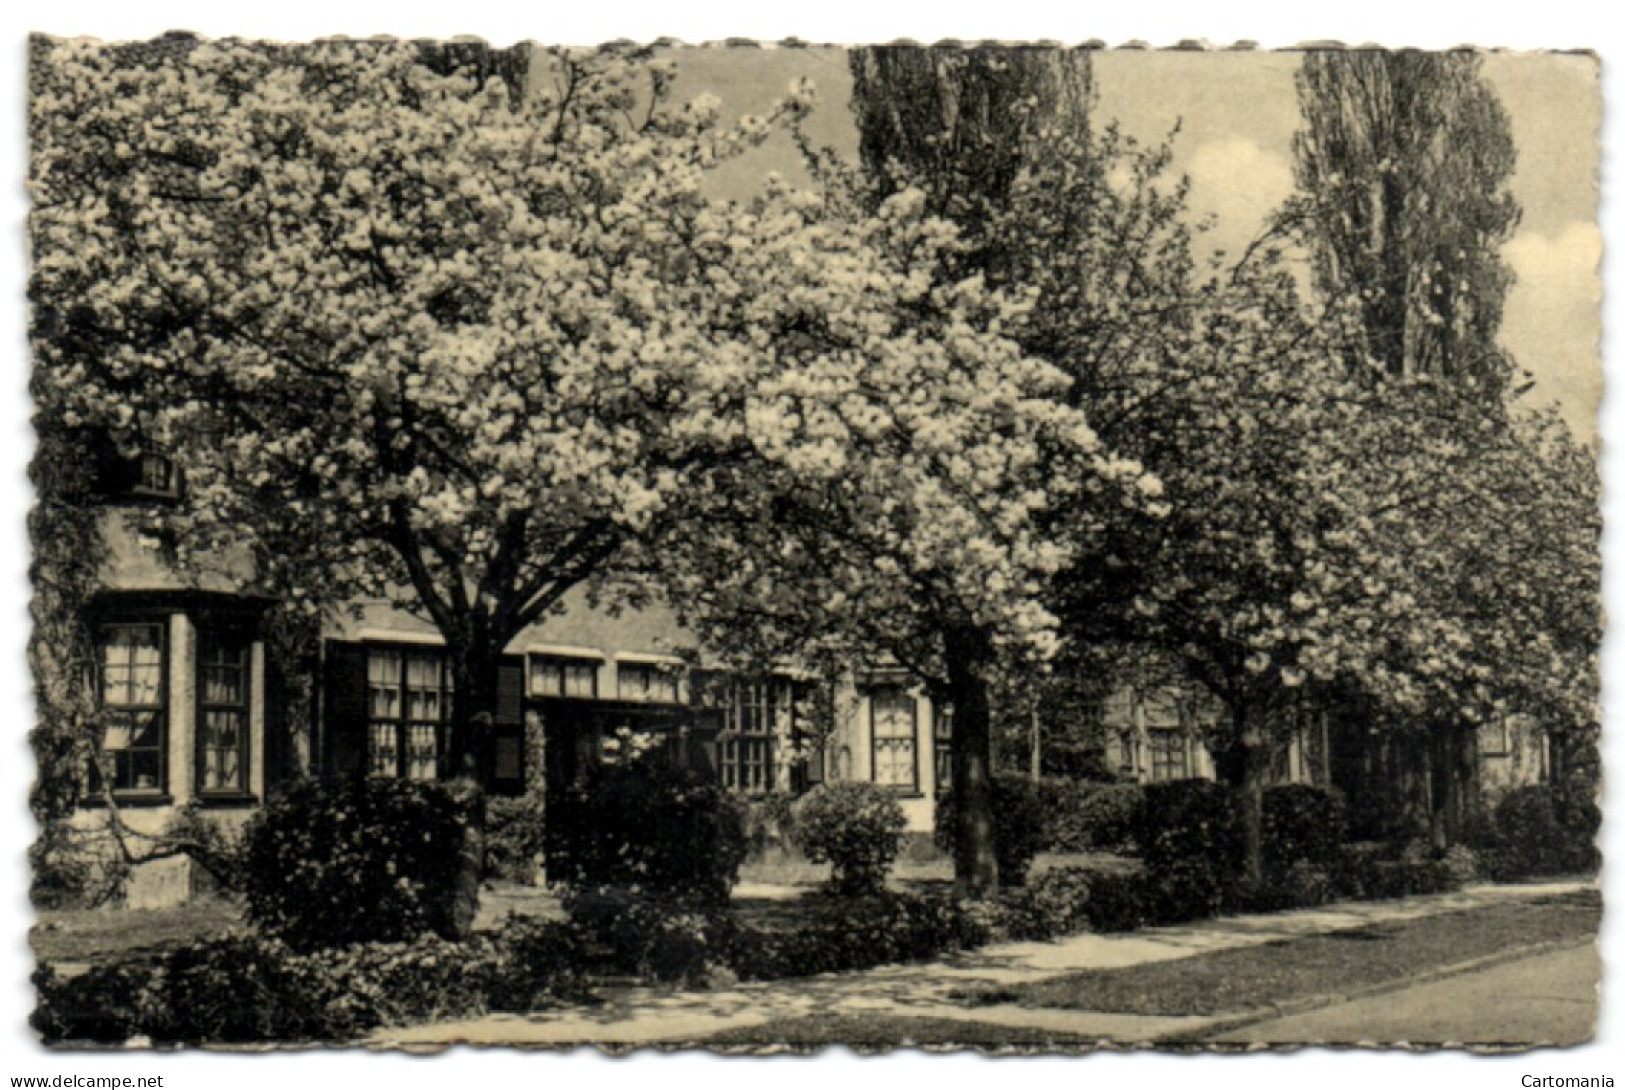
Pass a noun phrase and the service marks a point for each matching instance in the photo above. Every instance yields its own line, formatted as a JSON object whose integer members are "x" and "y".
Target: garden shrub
{"x": 219, "y": 854}
{"x": 330, "y": 864}
{"x": 647, "y": 826}
{"x": 844, "y": 933}
{"x": 659, "y": 941}
{"x": 856, "y": 828}
{"x": 1579, "y": 820}
{"x": 1528, "y": 834}
{"x": 251, "y": 988}
{"x": 1072, "y": 900}
{"x": 1302, "y": 824}
{"x": 514, "y": 836}
{"x": 1091, "y": 817}
{"x": 1019, "y": 819}
{"x": 1190, "y": 839}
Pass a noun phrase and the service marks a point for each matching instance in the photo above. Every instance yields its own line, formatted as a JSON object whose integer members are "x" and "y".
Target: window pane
{"x": 893, "y": 726}
{"x": 421, "y": 752}
{"x": 382, "y": 756}
{"x": 384, "y": 683}
{"x": 223, "y": 737}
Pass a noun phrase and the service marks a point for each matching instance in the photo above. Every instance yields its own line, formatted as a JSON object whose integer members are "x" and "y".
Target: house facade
{"x": 195, "y": 716}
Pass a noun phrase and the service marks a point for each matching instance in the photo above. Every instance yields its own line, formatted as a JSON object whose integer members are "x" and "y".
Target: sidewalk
{"x": 630, "y": 1017}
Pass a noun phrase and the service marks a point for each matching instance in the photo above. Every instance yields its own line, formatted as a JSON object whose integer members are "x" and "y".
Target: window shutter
{"x": 510, "y": 694}
{"x": 344, "y": 710}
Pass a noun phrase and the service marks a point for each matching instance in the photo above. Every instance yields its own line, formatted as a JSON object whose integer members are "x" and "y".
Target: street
{"x": 1549, "y": 998}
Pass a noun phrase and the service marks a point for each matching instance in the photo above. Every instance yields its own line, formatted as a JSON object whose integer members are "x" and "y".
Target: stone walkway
{"x": 643, "y": 1016}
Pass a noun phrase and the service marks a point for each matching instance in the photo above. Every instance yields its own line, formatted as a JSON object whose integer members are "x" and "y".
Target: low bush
{"x": 330, "y": 864}
{"x": 659, "y": 941}
{"x": 1091, "y": 817}
{"x": 1539, "y": 830}
{"x": 856, "y": 828}
{"x": 514, "y": 838}
{"x": 1370, "y": 872}
{"x": 242, "y": 989}
{"x": 844, "y": 933}
{"x": 1071, "y": 900}
{"x": 74, "y": 868}
{"x": 1020, "y": 817}
{"x": 1579, "y": 820}
{"x": 649, "y": 827}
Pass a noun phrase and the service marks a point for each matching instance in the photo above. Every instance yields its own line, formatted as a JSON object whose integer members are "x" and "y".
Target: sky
{"x": 1236, "y": 112}
{"x": 1556, "y": 238}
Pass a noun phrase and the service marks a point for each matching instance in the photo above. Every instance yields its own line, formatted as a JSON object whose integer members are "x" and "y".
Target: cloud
{"x": 1553, "y": 319}
{"x": 1239, "y": 183}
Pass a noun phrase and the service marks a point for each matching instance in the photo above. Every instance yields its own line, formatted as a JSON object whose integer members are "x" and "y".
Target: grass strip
{"x": 1249, "y": 978}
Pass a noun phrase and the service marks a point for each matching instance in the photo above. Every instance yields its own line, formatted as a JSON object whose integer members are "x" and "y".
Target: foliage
{"x": 646, "y": 825}
{"x": 1303, "y": 824}
{"x": 857, "y": 828}
{"x": 1190, "y": 839}
{"x": 769, "y": 823}
{"x": 1537, "y": 830}
{"x": 1086, "y": 817}
{"x": 1404, "y": 166}
{"x": 514, "y": 838}
{"x": 253, "y": 988}
{"x": 211, "y": 844}
{"x": 332, "y": 864}
{"x": 73, "y": 868}
{"x": 1019, "y": 820}
{"x": 1069, "y": 900}
{"x": 654, "y": 939}
{"x": 845, "y": 933}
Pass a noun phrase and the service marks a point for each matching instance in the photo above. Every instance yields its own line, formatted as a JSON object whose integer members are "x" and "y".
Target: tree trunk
{"x": 1037, "y": 764}
{"x": 969, "y": 654}
{"x": 1251, "y": 767}
{"x": 467, "y": 767}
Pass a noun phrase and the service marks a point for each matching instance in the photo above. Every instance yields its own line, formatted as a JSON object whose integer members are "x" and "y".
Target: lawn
{"x": 884, "y": 1032}
{"x": 1254, "y": 977}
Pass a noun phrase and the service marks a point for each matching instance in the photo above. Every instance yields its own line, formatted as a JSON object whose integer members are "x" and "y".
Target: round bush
{"x": 1302, "y": 824}
{"x": 1092, "y": 817}
{"x": 855, "y": 827}
{"x": 1019, "y": 825}
{"x": 647, "y": 826}
{"x": 330, "y": 864}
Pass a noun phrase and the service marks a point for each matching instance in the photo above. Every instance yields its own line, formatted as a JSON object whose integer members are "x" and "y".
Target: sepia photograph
{"x": 755, "y": 548}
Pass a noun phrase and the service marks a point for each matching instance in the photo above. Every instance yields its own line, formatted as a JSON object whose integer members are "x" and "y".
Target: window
{"x": 223, "y": 716}
{"x": 130, "y": 662}
{"x": 646, "y": 681}
{"x": 155, "y": 475}
{"x": 1167, "y": 755}
{"x": 942, "y": 737}
{"x": 409, "y": 697}
{"x": 751, "y": 716}
{"x": 894, "y": 738}
{"x": 559, "y": 675}
{"x": 1495, "y": 739}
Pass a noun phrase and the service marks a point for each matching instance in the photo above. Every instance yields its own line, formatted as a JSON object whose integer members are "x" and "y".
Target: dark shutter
{"x": 510, "y": 694}
{"x": 344, "y": 710}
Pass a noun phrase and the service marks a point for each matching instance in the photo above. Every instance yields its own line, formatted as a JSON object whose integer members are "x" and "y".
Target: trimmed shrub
{"x": 1530, "y": 839}
{"x": 648, "y": 827}
{"x": 844, "y": 933}
{"x": 1092, "y": 817}
{"x": 252, "y": 988}
{"x": 1019, "y": 820}
{"x": 1190, "y": 839}
{"x": 514, "y": 836}
{"x": 1579, "y": 820}
{"x": 1071, "y": 900}
{"x": 330, "y": 864}
{"x": 1302, "y": 824}
{"x": 856, "y": 828}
